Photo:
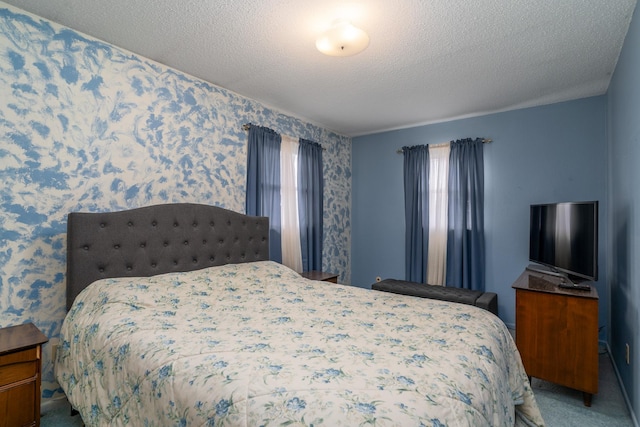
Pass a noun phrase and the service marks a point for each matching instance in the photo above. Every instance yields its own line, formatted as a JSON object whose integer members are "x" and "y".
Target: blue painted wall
{"x": 545, "y": 154}
{"x": 624, "y": 191}
{"x": 86, "y": 126}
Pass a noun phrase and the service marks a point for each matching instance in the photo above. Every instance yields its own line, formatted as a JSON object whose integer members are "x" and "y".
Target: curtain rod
{"x": 484, "y": 141}
{"x": 246, "y": 127}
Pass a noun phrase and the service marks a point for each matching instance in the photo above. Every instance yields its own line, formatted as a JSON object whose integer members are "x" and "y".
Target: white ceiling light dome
{"x": 342, "y": 39}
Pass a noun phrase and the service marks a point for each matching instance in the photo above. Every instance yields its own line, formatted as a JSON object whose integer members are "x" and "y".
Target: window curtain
{"x": 310, "y": 203}
{"x": 416, "y": 201}
{"x": 465, "y": 243}
{"x": 263, "y": 183}
{"x": 291, "y": 251}
{"x": 438, "y": 207}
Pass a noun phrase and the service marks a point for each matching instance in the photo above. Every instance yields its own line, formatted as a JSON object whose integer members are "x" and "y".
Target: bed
{"x": 177, "y": 317}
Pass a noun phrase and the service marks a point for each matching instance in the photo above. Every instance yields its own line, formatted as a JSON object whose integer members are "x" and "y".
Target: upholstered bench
{"x": 486, "y": 300}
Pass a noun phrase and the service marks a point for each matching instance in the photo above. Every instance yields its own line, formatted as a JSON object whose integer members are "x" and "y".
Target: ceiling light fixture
{"x": 342, "y": 39}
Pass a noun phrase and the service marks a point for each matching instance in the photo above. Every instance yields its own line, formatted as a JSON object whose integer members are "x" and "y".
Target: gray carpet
{"x": 60, "y": 416}
{"x": 560, "y": 406}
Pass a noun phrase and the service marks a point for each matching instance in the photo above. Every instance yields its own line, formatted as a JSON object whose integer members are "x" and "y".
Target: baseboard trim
{"x": 634, "y": 419}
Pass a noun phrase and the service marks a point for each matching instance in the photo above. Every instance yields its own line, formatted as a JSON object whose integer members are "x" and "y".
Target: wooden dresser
{"x": 557, "y": 332}
{"x": 20, "y": 365}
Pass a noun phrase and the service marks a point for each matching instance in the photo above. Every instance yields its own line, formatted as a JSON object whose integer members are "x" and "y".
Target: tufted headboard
{"x": 159, "y": 239}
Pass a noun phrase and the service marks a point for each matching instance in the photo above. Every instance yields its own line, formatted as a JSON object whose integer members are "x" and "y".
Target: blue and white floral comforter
{"x": 257, "y": 345}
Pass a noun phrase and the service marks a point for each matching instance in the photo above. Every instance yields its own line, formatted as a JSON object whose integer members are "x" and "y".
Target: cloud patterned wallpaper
{"x": 86, "y": 126}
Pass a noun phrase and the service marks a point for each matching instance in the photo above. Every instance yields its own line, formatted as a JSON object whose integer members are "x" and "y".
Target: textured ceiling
{"x": 427, "y": 61}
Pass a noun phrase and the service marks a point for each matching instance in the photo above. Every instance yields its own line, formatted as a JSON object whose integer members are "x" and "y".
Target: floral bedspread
{"x": 257, "y": 345}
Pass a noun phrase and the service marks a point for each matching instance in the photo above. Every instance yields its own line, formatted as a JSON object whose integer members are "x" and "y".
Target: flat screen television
{"x": 564, "y": 237}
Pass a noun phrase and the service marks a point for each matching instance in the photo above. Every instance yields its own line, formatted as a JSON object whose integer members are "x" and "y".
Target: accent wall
{"x": 87, "y": 126}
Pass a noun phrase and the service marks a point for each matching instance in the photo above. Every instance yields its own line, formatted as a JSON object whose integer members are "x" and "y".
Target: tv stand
{"x": 557, "y": 332}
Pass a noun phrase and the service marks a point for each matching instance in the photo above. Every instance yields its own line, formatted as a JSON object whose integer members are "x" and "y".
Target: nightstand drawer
{"x": 10, "y": 374}
{"x": 19, "y": 356}
{"x": 19, "y": 405}
{"x": 20, "y": 364}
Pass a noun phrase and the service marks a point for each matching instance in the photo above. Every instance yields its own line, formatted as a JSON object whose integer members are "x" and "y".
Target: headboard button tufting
{"x": 164, "y": 247}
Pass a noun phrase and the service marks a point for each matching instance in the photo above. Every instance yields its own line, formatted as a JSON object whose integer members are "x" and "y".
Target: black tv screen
{"x": 564, "y": 237}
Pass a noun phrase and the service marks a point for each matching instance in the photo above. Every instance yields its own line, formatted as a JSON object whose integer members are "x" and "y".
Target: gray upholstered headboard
{"x": 159, "y": 239}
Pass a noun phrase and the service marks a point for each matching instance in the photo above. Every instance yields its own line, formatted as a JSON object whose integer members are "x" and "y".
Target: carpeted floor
{"x": 560, "y": 406}
{"x": 59, "y": 415}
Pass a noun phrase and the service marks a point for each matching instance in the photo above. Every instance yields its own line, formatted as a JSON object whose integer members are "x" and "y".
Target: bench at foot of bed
{"x": 486, "y": 300}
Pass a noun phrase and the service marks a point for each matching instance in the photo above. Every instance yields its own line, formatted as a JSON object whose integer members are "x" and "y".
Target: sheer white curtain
{"x": 438, "y": 201}
{"x": 291, "y": 249}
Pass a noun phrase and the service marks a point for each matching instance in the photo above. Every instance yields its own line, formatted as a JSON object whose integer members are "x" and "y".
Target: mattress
{"x": 256, "y": 344}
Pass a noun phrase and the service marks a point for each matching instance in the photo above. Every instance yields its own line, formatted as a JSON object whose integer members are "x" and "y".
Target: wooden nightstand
{"x": 20, "y": 365}
{"x": 320, "y": 275}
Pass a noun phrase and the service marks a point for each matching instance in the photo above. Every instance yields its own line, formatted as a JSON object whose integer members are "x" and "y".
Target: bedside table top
{"x": 318, "y": 275}
{"x": 22, "y": 336}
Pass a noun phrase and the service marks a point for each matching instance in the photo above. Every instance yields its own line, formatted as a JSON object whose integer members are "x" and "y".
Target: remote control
{"x": 575, "y": 286}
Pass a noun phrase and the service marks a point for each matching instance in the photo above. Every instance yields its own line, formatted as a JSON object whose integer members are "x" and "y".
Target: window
{"x": 444, "y": 213}
{"x": 285, "y": 183}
